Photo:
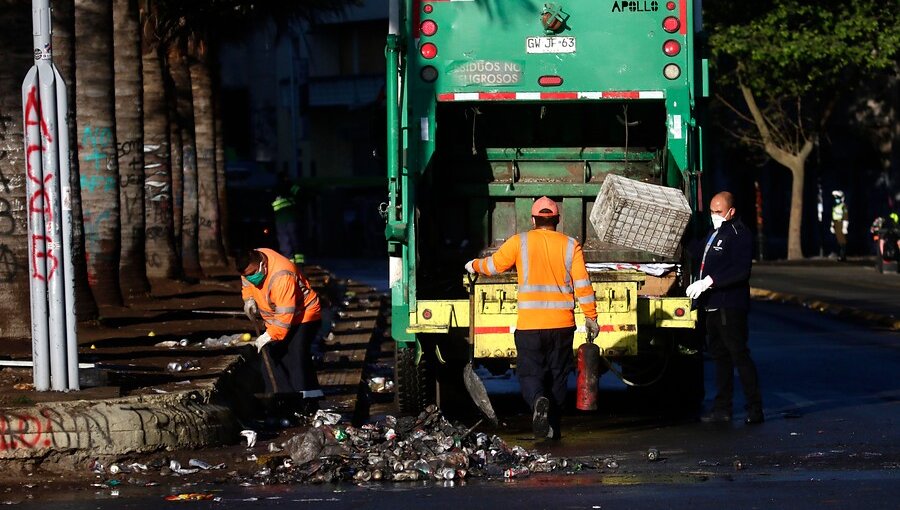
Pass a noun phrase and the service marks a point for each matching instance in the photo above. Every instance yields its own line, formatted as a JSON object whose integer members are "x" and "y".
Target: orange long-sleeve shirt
{"x": 551, "y": 275}
{"x": 284, "y": 298}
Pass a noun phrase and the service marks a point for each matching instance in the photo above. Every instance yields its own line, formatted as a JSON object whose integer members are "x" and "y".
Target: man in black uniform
{"x": 722, "y": 292}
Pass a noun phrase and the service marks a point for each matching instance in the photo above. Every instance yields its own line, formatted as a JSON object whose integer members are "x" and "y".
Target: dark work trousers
{"x": 544, "y": 360}
{"x": 291, "y": 361}
{"x": 727, "y": 331}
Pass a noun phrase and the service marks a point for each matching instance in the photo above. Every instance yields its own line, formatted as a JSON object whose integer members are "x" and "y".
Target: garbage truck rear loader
{"x": 493, "y": 104}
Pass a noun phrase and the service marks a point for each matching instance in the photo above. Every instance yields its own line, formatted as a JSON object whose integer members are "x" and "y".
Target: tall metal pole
{"x": 52, "y": 279}
{"x": 37, "y": 275}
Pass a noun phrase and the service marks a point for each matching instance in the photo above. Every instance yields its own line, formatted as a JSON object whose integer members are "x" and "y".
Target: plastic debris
{"x": 192, "y": 496}
{"x": 274, "y": 448}
{"x": 381, "y": 385}
{"x": 176, "y": 468}
{"x": 426, "y": 447}
{"x": 327, "y": 418}
{"x": 206, "y": 466}
{"x": 250, "y": 435}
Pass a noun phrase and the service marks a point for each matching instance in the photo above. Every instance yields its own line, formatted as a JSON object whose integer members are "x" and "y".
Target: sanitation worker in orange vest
{"x": 273, "y": 288}
{"x": 552, "y": 278}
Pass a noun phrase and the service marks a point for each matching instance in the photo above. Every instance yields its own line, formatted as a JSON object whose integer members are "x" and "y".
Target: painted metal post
{"x": 34, "y": 178}
{"x": 54, "y": 344}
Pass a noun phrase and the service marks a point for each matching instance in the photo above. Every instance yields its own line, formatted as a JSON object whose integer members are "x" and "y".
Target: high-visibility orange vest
{"x": 552, "y": 277}
{"x": 284, "y": 298}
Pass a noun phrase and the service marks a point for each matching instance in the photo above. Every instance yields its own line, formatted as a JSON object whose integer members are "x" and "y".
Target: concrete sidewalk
{"x": 139, "y": 406}
{"x": 852, "y": 290}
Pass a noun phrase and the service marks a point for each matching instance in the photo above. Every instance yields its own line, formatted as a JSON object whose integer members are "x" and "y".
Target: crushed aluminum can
{"x": 176, "y": 468}
{"x": 652, "y": 454}
{"x": 327, "y": 417}
{"x": 250, "y": 435}
{"x": 611, "y": 463}
{"x": 274, "y": 448}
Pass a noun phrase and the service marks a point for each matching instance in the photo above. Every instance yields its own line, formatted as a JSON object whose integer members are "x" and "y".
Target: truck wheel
{"x": 414, "y": 383}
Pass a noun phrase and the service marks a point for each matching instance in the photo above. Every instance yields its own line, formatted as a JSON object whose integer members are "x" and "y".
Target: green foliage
{"x": 797, "y": 48}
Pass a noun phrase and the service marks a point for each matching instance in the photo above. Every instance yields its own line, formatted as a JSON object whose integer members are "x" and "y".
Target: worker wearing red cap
{"x": 552, "y": 277}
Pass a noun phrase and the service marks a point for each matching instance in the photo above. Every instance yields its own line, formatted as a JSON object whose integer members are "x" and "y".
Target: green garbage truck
{"x": 492, "y": 104}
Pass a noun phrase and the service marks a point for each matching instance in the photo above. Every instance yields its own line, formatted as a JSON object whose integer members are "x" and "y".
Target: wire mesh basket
{"x": 640, "y": 215}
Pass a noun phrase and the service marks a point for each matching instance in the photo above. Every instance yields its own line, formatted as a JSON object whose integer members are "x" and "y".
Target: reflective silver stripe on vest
{"x": 570, "y": 254}
{"x": 244, "y": 282}
{"x": 285, "y": 309}
{"x": 545, "y": 288}
{"x": 491, "y": 268}
{"x": 585, "y": 282}
{"x": 583, "y": 300}
{"x": 276, "y": 322}
{"x": 546, "y": 305}
{"x": 274, "y": 277}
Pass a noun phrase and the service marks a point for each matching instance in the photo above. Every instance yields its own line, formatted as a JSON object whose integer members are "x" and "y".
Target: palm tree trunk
{"x": 95, "y": 120}
{"x": 130, "y": 137}
{"x": 159, "y": 241}
{"x": 212, "y": 253}
{"x": 15, "y": 59}
{"x": 64, "y": 57}
{"x": 176, "y": 161}
{"x": 190, "y": 256}
{"x": 221, "y": 189}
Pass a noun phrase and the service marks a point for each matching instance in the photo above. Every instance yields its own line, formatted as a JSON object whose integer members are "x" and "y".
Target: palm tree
{"x": 212, "y": 252}
{"x": 15, "y": 59}
{"x": 159, "y": 242}
{"x": 64, "y": 57}
{"x": 130, "y": 137}
{"x": 181, "y": 78}
{"x": 221, "y": 189}
{"x": 98, "y": 165}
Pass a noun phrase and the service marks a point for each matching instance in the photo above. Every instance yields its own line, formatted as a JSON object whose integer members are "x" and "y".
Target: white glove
{"x": 470, "y": 266}
{"x": 262, "y": 340}
{"x": 699, "y": 287}
{"x": 591, "y": 328}
{"x": 250, "y": 308}
{"x": 845, "y": 227}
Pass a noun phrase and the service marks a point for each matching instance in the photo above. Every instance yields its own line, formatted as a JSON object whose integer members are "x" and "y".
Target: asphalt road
{"x": 831, "y": 439}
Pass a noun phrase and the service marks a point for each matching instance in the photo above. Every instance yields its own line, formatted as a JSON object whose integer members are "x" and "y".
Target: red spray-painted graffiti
{"x": 25, "y": 432}
{"x": 39, "y": 201}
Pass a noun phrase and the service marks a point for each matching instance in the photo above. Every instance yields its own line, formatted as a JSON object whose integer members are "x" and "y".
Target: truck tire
{"x": 414, "y": 386}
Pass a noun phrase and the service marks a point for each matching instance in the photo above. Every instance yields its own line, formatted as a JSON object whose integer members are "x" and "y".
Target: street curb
{"x": 140, "y": 423}
{"x": 846, "y": 312}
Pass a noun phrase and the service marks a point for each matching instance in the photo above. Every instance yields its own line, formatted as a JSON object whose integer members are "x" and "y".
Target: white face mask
{"x": 717, "y": 220}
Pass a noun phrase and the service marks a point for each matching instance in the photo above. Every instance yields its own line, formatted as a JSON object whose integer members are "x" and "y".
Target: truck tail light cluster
{"x": 671, "y": 47}
{"x": 428, "y": 50}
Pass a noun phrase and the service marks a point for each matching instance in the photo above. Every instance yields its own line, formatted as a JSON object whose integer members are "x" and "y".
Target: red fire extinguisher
{"x": 588, "y": 366}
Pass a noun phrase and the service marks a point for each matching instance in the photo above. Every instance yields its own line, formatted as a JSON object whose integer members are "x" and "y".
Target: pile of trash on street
{"x": 423, "y": 447}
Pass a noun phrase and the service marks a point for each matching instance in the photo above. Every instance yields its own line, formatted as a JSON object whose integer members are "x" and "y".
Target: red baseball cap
{"x": 544, "y": 203}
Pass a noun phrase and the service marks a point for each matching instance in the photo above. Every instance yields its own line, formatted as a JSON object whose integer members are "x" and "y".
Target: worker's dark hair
{"x": 546, "y": 221}
{"x": 245, "y": 259}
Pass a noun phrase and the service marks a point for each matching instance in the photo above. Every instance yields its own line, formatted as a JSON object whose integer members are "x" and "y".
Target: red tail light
{"x": 679, "y": 312}
{"x": 671, "y": 24}
{"x": 429, "y": 27}
{"x": 669, "y": 5}
{"x": 550, "y": 81}
{"x": 428, "y": 8}
{"x": 428, "y": 50}
{"x": 671, "y": 47}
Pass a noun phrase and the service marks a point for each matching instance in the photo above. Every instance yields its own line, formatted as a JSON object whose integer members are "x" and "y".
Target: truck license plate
{"x": 550, "y": 44}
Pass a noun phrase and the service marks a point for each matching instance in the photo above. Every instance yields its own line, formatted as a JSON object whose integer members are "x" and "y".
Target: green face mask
{"x": 256, "y": 278}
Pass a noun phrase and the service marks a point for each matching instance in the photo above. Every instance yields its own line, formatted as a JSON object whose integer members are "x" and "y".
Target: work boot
{"x": 540, "y": 421}
{"x": 716, "y": 416}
